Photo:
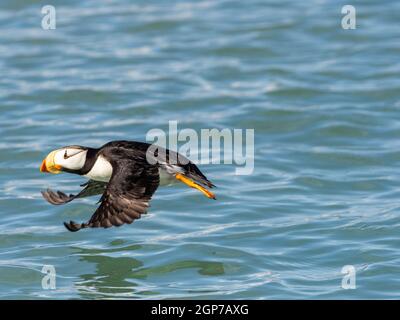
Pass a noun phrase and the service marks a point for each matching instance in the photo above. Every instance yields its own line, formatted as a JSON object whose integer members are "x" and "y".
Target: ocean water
{"x": 323, "y": 101}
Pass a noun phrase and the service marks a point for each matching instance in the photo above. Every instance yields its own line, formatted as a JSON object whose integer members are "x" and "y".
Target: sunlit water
{"x": 324, "y": 103}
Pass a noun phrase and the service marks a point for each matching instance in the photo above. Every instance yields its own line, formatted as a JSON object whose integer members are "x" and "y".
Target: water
{"x": 324, "y": 104}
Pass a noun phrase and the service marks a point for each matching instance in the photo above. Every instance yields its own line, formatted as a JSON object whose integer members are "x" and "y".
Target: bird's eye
{"x": 65, "y": 155}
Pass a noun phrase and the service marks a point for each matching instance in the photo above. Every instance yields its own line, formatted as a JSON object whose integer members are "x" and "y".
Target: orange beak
{"x": 43, "y": 167}
{"x": 48, "y": 164}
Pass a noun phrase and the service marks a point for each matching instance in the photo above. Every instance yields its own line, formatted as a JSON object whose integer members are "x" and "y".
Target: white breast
{"x": 166, "y": 177}
{"x": 101, "y": 170}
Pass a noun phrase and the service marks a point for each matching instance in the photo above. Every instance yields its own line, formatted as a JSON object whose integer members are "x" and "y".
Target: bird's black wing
{"x": 92, "y": 188}
{"x": 126, "y": 197}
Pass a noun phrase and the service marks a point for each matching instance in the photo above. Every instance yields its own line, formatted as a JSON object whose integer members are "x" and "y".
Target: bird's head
{"x": 70, "y": 159}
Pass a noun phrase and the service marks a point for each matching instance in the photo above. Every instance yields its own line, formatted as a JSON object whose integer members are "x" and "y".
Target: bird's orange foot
{"x": 193, "y": 184}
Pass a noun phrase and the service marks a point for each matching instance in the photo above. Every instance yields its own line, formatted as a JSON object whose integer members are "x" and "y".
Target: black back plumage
{"x": 163, "y": 155}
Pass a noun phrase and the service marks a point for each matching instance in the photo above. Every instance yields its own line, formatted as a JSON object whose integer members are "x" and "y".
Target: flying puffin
{"x": 121, "y": 172}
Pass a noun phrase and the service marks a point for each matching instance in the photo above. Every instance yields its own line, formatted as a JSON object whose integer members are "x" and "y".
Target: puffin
{"x": 126, "y": 175}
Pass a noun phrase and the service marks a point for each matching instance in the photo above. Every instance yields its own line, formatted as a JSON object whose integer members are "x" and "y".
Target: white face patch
{"x": 70, "y": 158}
{"x": 101, "y": 170}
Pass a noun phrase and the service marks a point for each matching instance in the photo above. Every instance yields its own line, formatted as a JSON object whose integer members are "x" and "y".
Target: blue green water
{"x": 324, "y": 103}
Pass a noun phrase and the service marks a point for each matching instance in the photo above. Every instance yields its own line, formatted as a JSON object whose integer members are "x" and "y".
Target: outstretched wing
{"x": 126, "y": 197}
{"x": 92, "y": 188}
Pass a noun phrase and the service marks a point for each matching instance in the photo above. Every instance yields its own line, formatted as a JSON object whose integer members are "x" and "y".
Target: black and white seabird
{"x": 121, "y": 172}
